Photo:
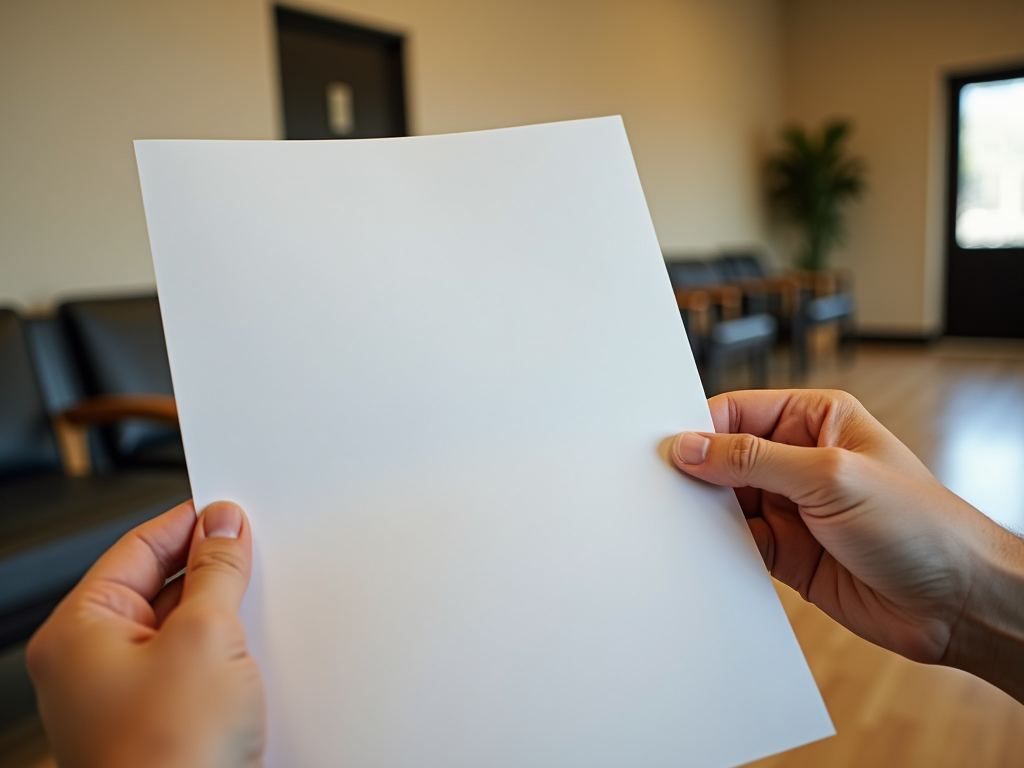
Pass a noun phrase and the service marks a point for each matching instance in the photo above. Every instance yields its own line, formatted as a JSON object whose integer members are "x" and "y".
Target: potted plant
{"x": 810, "y": 180}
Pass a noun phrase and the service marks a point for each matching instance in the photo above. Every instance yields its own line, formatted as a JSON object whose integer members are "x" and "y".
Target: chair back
{"x": 118, "y": 344}
{"x": 692, "y": 273}
{"x": 27, "y": 443}
{"x": 741, "y": 266}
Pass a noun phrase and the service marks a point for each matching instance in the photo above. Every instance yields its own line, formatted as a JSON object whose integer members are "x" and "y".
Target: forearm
{"x": 988, "y": 638}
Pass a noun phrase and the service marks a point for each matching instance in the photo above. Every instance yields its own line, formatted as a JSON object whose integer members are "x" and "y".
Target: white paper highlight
{"x": 436, "y": 372}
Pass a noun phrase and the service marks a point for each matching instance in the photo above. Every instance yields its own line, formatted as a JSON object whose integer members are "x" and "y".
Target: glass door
{"x": 985, "y": 213}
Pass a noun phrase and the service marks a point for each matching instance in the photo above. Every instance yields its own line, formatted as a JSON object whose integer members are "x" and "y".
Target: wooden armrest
{"x": 786, "y": 287}
{"x": 71, "y": 425}
{"x": 693, "y": 299}
{"x": 729, "y": 298}
{"x": 752, "y": 285}
{"x": 825, "y": 282}
{"x": 110, "y": 408}
{"x": 697, "y": 304}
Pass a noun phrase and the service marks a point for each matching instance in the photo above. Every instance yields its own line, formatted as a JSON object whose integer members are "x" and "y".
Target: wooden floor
{"x": 960, "y": 407}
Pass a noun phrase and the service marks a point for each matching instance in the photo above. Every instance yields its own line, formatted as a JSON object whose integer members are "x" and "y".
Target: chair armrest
{"x": 825, "y": 282}
{"x": 786, "y": 287}
{"x": 696, "y": 304}
{"x": 107, "y": 409}
{"x": 729, "y": 298}
{"x": 71, "y": 424}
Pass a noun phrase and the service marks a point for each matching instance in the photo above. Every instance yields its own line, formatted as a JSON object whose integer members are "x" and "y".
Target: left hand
{"x": 130, "y": 672}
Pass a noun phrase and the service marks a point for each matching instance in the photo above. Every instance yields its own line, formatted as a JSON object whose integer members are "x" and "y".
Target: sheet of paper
{"x": 438, "y": 373}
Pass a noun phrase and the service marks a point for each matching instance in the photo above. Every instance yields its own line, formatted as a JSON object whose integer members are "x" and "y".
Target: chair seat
{"x": 745, "y": 331}
{"x": 828, "y": 308}
{"x": 53, "y": 527}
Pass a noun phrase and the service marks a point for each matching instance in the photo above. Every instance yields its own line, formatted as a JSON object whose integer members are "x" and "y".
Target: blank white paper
{"x": 436, "y": 372}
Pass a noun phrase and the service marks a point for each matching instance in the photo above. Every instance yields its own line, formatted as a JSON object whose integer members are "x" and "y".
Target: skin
{"x": 846, "y": 515}
{"x": 131, "y": 672}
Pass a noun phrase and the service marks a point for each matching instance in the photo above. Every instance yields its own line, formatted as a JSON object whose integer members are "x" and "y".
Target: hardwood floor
{"x": 960, "y": 407}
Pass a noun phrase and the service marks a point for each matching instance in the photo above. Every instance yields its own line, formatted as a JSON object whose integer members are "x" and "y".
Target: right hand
{"x": 845, "y": 514}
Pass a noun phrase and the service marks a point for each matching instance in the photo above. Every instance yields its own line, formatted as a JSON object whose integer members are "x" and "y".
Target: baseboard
{"x": 897, "y": 338}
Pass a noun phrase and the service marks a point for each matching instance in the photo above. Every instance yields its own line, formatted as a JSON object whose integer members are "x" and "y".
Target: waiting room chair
{"x": 801, "y": 302}
{"x": 720, "y": 333}
{"x": 60, "y": 511}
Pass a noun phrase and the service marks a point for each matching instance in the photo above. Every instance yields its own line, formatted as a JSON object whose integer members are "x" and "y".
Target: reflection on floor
{"x": 960, "y": 407}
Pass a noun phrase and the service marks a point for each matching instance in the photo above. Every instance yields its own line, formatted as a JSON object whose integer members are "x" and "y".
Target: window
{"x": 990, "y": 182}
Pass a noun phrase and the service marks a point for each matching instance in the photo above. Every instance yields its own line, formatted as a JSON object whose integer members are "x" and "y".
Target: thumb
{"x": 744, "y": 460}
{"x": 220, "y": 559}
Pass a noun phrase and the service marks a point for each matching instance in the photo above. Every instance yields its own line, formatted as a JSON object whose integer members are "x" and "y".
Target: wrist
{"x": 987, "y": 639}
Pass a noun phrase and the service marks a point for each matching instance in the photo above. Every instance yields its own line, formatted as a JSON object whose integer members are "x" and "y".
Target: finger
{"x": 756, "y": 412}
{"x": 797, "y": 417}
{"x": 167, "y": 600}
{"x": 220, "y": 559}
{"x": 145, "y": 557}
{"x": 743, "y": 460}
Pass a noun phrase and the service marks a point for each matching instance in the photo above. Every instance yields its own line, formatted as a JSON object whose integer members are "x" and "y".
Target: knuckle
{"x": 835, "y": 466}
{"x": 842, "y": 397}
{"x": 844, "y": 404}
{"x": 104, "y": 594}
{"x": 743, "y": 454}
{"x": 218, "y": 559}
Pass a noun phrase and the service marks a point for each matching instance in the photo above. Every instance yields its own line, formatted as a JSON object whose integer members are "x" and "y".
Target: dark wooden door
{"x": 985, "y": 205}
{"x": 339, "y": 80}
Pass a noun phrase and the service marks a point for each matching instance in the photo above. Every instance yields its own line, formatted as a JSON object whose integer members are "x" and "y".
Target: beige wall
{"x": 80, "y": 81}
{"x": 697, "y": 82}
{"x": 882, "y": 63}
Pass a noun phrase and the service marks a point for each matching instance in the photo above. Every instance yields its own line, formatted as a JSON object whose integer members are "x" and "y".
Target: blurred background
{"x": 903, "y": 120}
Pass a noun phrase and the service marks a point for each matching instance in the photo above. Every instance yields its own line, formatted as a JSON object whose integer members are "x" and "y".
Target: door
{"x": 985, "y": 205}
{"x": 339, "y": 80}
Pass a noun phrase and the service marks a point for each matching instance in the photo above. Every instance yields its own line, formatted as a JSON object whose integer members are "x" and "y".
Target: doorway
{"x": 985, "y": 205}
{"x": 339, "y": 80}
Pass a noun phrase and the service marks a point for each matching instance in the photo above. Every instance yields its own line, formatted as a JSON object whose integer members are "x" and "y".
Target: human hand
{"x": 131, "y": 672}
{"x": 845, "y": 514}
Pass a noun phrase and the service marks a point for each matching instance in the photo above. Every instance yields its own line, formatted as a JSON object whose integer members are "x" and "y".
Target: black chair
{"x": 694, "y": 273}
{"x": 118, "y": 349}
{"x": 774, "y": 294}
{"x": 839, "y": 309}
{"x": 721, "y": 332}
{"x": 800, "y": 301}
{"x": 53, "y": 526}
{"x": 746, "y": 339}
{"x": 742, "y": 265}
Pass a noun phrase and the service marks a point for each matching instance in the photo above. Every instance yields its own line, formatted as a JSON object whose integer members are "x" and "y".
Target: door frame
{"x": 288, "y": 17}
{"x": 970, "y": 285}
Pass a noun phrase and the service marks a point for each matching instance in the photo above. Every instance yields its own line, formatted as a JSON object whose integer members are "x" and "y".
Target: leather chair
{"x": 118, "y": 349}
{"x": 56, "y": 516}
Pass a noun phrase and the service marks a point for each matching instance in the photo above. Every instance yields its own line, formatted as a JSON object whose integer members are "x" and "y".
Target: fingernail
{"x": 222, "y": 520}
{"x": 691, "y": 448}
